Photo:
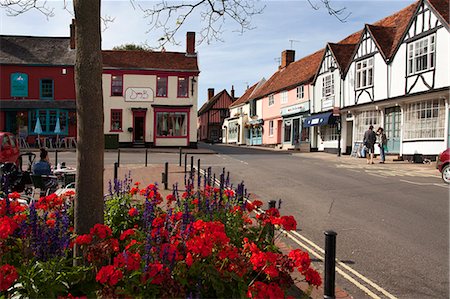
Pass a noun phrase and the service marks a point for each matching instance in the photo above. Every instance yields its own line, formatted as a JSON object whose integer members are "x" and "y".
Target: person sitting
{"x": 42, "y": 167}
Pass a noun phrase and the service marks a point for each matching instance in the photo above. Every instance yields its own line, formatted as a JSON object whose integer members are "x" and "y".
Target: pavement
{"x": 172, "y": 150}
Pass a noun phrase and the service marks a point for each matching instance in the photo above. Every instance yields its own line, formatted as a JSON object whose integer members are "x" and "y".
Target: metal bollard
{"x": 56, "y": 158}
{"x": 116, "y": 166}
{"x": 198, "y": 173}
{"x": 118, "y": 157}
{"x": 271, "y": 233}
{"x": 185, "y": 163}
{"x": 192, "y": 164}
{"x": 146, "y": 157}
{"x": 166, "y": 176}
{"x": 330, "y": 264}
{"x": 181, "y": 153}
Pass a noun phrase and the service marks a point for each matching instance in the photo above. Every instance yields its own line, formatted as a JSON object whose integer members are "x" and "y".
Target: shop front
{"x": 324, "y": 132}
{"x": 254, "y": 131}
{"x": 295, "y": 135}
{"x": 171, "y": 126}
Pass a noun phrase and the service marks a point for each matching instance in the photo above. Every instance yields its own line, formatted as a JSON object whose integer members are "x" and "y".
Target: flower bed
{"x": 205, "y": 243}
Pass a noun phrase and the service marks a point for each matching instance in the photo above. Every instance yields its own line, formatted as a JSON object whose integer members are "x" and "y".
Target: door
{"x": 139, "y": 127}
{"x": 392, "y": 124}
{"x": 11, "y": 122}
{"x": 296, "y": 131}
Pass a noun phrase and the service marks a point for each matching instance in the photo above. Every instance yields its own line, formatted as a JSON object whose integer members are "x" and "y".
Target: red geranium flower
{"x": 83, "y": 239}
{"x": 288, "y": 223}
{"x": 14, "y": 195}
{"x": 133, "y": 212}
{"x": 7, "y": 227}
{"x": 257, "y": 203}
{"x": 313, "y": 277}
{"x": 102, "y": 231}
{"x": 8, "y": 274}
{"x": 109, "y": 275}
{"x": 127, "y": 233}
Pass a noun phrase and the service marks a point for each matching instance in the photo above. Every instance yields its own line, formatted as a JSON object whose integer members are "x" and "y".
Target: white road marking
{"x": 339, "y": 263}
{"x": 426, "y": 184}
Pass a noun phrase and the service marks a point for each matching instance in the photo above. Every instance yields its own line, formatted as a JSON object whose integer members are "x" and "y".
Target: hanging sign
{"x": 138, "y": 94}
{"x": 19, "y": 85}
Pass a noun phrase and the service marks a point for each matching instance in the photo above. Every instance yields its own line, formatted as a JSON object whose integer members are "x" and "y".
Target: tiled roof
{"x": 343, "y": 54}
{"x": 384, "y": 37}
{"x": 170, "y": 61}
{"x": 36, "y": 50}
{"x": 209, "y": 103}
{"x": 442, "y": 7}
{"x": 246, "y": 96}
{"x": 296, "y": 73}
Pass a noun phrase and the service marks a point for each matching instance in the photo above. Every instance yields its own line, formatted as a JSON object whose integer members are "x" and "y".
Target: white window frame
{"x": 364, "y": 73}
{"x": 424, "y": 120}
{"x": 271, "y": 100}
{"x": 329, "y": 133}
{"x": 284, "y": 97}
{"x": 271, "y": 128}
{"x": 300, "y": 92}
{"x": 328, "y": 86}
{"x": 421, "y": 55}
{"x": 363, "y": 120}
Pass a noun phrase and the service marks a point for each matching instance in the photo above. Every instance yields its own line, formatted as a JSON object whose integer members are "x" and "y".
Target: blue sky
{"x": 238, "y": 60}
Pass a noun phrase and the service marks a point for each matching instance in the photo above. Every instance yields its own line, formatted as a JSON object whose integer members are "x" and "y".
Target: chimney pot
{"x": 72, "y": 34}
{"x": 210, "y": 93}
{"x": 287, "y": 57}
{"x": 190, "y": 43}
{"x": 232, "y": 92}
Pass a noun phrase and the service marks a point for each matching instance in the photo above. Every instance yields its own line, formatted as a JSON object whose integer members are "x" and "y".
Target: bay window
{"x": 424, "y": 120}
{"x": 171, "y": 124}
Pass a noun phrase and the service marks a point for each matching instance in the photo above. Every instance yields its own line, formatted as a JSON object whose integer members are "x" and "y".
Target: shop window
{"x": 425, "y": 120}
{"x": 329, "y": 133}
{"x": 161, "y": 86}
{"x": 287, "y": 130}
{"x": 46, "y": 89}
{"x": 364, "y": 120}
{"x": 183, "y": 87}
{"x": 48, "y": 119}
{"x": 116, "y": 120}
{"x": 233, "y": 130}
{"x": 271, "y": 128}
{"x": 171, "y": 124}
{"x": 117, "y": 85}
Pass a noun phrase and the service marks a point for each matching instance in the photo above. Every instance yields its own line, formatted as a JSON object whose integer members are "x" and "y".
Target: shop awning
{"x": 319, "y": 120}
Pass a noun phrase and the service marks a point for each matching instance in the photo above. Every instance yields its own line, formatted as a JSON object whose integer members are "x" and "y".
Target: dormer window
{"x": 328, "y": 86}
{"x": 421, "y": 54}
{"x": 364, "y": 73}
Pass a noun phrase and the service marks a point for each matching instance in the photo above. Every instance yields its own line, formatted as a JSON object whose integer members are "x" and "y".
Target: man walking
{"x": 369, "y": 142}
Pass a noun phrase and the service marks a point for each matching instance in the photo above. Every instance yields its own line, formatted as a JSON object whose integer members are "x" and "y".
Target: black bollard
{"x": 185, "y": 163}
{"x": 118, "y": 157}
{"x": 146, "y": 157}
{"x": 116, "y": 166}
{"x": 271, "y": 234}
{"x": 198, "y": 173}
{"x": 166, "y": 176}
{"x": 330, "y": 264}
{"x": 192, "y": 164}
{"x": 56, "y": 158}
{"x": 181, "y": 153}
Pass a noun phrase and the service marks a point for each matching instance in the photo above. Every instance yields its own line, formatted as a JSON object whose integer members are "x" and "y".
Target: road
{"x": 392, "y": 223}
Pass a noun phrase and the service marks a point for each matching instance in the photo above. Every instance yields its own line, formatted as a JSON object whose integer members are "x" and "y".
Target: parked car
{"x": 9, "y": 148}
{"x": 443, "y": 164}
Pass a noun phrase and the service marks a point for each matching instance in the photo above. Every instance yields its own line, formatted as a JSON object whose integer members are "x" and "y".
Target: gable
{"x": 328, "y": 62}
{"x": 366, "y": 47}
{"x": 423, "y": 22}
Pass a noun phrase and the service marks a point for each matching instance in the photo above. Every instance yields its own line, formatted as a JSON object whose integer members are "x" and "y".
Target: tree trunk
{"x": 89, "y": 98}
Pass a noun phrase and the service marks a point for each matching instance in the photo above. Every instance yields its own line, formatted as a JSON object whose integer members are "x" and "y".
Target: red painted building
{"x": 37, "y": 83}
{"x": 212, "y": 114}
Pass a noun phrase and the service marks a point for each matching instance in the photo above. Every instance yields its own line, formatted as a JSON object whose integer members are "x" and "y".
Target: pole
{"x": 330, "y": 264}
{"x": 116, "y": 166}
{"x": 118, "y": 157}
{"x": 146, "y": 157}
{"x": 192, "y": 164}
{"x": 198, "y": 172}
{"x": 185, "y": 163}
{"x": 166, "y": 176}
{"x": 271, "y": 233}
{"x": 56, "y": 157}
{"x": 339, "y": 138}
{"x": 181, "y": 153}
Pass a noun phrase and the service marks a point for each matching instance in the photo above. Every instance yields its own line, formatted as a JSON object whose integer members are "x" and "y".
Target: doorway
{"x": 296, "y": 131}
{"x": 138, "y": 127}
{"x": 392, "y": 124}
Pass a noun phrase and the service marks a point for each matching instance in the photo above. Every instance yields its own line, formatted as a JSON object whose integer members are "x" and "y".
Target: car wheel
{"x": 446, "y": 173}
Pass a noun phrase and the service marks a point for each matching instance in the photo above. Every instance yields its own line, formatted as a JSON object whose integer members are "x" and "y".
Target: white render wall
{"x": 147, "y": 81}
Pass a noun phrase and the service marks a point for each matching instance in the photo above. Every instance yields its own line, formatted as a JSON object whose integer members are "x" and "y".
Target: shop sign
{"x": 138, "y": 94}
{"x": 297, "y": 108}
{"x": 19, "y": 85}
{"x": 327, "y": 103}
{"x": 256, "y": 122}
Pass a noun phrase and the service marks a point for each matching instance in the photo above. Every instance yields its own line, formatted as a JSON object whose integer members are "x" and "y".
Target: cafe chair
{"x": 41, "y": 182}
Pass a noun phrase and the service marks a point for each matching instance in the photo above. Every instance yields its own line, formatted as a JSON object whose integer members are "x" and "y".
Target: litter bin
{"x": 111, "y": 141}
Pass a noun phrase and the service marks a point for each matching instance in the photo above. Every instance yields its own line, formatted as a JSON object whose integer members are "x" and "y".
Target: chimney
{"x": 287, "y": 56}
{"x": 190, "y": 43}
{"x": 210, "y": 93}
{"x": 72, "y": 34}
{"x": 232, "y": 92}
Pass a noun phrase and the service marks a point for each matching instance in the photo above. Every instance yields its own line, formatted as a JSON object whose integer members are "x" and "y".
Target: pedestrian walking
{"x": 369, "y": 142}
{"x": 382, "y": 143}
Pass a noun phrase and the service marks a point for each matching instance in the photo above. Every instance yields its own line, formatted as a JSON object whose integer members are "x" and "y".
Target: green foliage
{"x": 132, "y": 47}
{"x": 116, "y": 213}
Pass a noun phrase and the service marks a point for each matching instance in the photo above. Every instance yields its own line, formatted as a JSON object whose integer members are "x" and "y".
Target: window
{"x": 364, "y": 120}
{"x": 240, "y": 111}
{"x": 252, "y": 108}
{"x": 287, "y": 130}
{"x": 117, "y": 85}
{"x": 424, "y": 120}
{"x": 421, "y": 54}
{"x": 116, "y": 120}
{"x": 329, "y": 133}
{"x": 271, "y": 100}
{"x": 161, "y": 86}
{"x": 224, "y": 113}
{"x": 284, "y": 97}
{"x": 183, "y": 87}
{"x": 46, "y": 89}
{"x": 364, "y": 73}
{"x": 48, "y": 120}
{"x": 271, "y": 128}
{"x": 171, "y": 124}
{"x": 300, "y": 92}
{"x": 233, "y": 130}
{"x": 328, "y": 86}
